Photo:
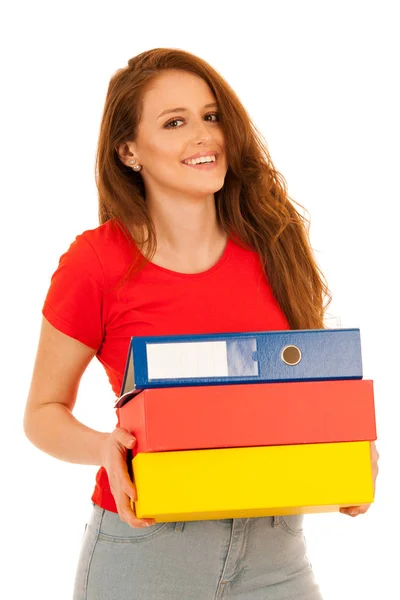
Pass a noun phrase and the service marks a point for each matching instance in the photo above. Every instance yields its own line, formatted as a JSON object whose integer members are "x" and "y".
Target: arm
{"x": 50, "y": 425}
{"x": 48, "y": 420}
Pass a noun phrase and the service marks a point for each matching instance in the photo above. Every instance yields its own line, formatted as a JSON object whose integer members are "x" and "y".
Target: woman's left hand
{"x": 353, "y": 511}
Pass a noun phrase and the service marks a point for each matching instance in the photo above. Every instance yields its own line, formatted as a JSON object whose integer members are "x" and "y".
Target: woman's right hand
{"x": 123, "y": 489}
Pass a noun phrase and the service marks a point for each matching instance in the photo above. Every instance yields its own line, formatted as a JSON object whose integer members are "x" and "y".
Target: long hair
{"x": 253, "y": 205}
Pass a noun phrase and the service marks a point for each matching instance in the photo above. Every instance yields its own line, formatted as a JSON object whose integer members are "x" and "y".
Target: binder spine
{"x": 254, "y": 357}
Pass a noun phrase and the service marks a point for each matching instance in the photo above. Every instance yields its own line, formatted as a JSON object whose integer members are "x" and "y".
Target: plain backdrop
{"x": 321, "y": 82}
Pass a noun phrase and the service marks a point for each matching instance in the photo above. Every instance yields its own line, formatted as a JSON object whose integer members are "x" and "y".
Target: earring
{"x": 136, "y": 167}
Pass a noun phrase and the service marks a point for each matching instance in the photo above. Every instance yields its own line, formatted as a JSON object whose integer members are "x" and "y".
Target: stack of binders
{"x": 248, "y": 424}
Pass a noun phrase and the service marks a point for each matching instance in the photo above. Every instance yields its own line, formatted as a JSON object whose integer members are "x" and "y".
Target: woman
{"x": 183, "y": 246}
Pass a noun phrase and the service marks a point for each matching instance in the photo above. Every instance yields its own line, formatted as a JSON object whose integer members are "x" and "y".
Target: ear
{"x": 127, "y": 152}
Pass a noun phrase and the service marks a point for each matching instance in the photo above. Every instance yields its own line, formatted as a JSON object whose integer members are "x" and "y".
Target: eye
{"x": 216, "y": 114}
{"x": 170, "y": 124}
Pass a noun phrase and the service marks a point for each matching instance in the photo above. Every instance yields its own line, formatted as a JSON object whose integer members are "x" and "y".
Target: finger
{"x": 125, "y": 438}
{"x": 363, "y": 508}
{"x": 352, "y": 511}
{"x": 145, "y": 521}
{"x": 374, "y": 451}
{"x": 129, "y": 489}
{"x": 120, "y": 479}
{"x": 128, "y": 514}
{"x": 374, "y": 460}
{"x": 120, "y": 483}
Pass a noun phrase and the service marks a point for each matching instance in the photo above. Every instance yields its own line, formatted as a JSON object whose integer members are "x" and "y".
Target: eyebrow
{"x": 181, "y": 109}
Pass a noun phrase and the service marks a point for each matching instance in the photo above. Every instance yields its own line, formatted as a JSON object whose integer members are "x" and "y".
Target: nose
{"x": 202, "y": 132}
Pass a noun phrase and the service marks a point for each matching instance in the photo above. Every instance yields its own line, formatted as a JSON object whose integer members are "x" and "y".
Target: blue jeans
{"x": 230, "y": 559}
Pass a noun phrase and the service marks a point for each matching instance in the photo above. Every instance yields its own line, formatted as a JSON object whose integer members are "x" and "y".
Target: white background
{"x": 320, "y": 79}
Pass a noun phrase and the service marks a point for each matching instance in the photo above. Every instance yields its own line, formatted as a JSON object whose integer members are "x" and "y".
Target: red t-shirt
{"x": 84, "y": 302}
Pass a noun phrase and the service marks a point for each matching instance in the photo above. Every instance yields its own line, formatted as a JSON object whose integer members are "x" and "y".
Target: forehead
{"x": 175, "y": 88}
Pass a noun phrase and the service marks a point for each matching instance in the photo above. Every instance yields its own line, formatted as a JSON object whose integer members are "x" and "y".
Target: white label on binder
{"x": 187, "y": 359}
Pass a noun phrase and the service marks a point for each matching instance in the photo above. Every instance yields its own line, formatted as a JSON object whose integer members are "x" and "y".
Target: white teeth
{"x": 202, "y": 159}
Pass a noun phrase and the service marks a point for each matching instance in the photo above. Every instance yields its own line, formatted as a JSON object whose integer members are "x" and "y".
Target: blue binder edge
{"x": 127, "y": 394}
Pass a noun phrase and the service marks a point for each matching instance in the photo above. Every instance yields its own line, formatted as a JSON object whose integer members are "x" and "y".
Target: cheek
{"x": 156, "y": 147}
{"x": 165, "y": 149}
{"x": 162, "y": 161}
{"x": 221, "y": 138}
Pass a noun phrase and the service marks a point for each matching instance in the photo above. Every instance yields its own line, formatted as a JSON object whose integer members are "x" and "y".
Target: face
{"x": 180, "y": 119}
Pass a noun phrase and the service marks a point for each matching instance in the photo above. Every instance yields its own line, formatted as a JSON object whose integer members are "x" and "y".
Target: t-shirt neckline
{"x": 222, "y": 259}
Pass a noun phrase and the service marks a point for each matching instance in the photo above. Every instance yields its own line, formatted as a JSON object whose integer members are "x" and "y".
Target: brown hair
{"x": 253, "y": 205}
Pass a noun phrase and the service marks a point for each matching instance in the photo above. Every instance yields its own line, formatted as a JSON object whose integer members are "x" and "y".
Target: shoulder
{"x": 241, "y": 251}
{"x": 101, "y": 253}
{"x": 107, "y": 236}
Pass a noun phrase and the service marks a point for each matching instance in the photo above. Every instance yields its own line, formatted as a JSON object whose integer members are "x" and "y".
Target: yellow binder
{"x": 252, "y": 482}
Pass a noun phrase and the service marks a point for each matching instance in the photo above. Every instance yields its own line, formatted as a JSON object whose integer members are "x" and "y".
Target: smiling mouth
{"x": 205, "y": 166}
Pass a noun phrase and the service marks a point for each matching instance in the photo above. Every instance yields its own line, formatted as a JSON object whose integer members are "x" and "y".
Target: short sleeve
{"x": 74, "y": 300}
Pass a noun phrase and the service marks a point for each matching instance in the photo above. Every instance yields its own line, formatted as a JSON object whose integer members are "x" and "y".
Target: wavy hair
{"x": 253, "y": 205}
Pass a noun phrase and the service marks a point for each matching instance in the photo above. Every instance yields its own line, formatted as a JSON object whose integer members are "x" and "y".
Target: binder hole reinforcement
{"x": 291, "y": 355}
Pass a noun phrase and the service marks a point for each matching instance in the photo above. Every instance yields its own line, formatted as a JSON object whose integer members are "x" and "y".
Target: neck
{"x": 184, "y": 227}
{"x": 189, "y": 238}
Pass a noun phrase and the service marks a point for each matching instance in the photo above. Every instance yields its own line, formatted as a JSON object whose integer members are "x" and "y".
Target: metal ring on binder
{"x": 291, "y": 355}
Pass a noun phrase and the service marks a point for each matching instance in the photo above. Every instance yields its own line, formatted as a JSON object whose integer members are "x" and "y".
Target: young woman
{"x": 197, "y": 234}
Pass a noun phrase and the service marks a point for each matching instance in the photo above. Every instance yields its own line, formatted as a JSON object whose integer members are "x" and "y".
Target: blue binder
{"x": 251, "y": 357}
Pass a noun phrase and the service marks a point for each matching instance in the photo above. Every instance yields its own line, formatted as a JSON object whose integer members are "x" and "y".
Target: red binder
{"x": 260, "y": 414}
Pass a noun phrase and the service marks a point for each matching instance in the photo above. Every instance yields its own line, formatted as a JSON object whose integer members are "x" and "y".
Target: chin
{"x": 215, "y": 185}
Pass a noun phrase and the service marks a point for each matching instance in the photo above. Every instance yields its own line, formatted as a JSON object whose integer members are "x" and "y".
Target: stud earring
{"x": 136, "y": 167}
